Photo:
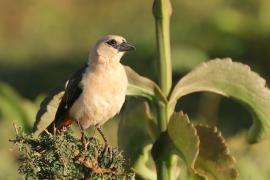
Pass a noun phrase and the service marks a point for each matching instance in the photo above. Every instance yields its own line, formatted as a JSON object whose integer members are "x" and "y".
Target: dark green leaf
{"x": 134, "y": 138}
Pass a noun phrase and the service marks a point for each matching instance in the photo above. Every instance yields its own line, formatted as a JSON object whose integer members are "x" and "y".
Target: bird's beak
{"x": 125, "y": 46}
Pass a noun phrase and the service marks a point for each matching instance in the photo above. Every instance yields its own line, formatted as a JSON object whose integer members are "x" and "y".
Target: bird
{"x": 96, "y": 92}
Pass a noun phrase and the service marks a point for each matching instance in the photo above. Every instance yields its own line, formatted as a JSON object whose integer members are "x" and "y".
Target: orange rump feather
{"x": 65, "y": 122}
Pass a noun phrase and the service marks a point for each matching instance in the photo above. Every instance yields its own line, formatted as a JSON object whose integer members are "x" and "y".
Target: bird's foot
{"x": 84, "y": 141}
{"x": 102, "y": 134}
{"x": 107, "y": 152}
{"x": 107, "y": 148}
{"x": 86, "y": 145}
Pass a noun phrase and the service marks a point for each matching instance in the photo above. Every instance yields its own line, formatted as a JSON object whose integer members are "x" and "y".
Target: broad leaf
{"x": 140, "y": 166}
{"x": 151, "y": 121}
{"x": 230, "y": 79}
{"x": 142, "y": 86}
{"x": 186, "y": 141}
{"x": 214, "y": 159}
{"x": 202, "y": 148}
{"x": 133, "y": 136}
{"x": 46, "y": 113}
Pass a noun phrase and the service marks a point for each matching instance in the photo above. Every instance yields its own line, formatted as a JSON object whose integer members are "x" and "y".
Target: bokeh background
{"x": 43, "y": 42}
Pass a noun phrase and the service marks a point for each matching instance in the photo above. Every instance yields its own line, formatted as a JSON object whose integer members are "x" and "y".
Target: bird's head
{"x": 112, "y": 47}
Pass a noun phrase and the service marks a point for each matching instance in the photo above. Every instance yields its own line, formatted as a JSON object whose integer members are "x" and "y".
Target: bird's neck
{"x": 96, "y": 60}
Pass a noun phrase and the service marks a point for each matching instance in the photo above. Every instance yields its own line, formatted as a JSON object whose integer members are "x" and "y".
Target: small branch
{"x": 16, "y": 128}
{"x": 93, "y": 166}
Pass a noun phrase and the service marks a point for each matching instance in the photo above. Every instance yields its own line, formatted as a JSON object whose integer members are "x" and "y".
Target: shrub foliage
{"x": 63, "y": 156}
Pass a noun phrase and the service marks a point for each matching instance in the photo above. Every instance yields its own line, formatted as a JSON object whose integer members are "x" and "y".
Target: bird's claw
{"x": 84, "y": 141}
{"x": 86, "y": 145}
{"x": 108, "y": 150}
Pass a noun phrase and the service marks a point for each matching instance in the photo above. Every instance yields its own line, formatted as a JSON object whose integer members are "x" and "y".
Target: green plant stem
{"x": 162, "y": 171}
{"x": 162, "y": 12}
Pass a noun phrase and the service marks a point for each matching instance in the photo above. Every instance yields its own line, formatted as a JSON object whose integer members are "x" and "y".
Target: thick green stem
{"x": 162, "y": 11}
{"x": 163, "y": 166}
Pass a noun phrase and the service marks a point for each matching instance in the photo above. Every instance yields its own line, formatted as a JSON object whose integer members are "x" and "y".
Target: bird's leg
{"x": 94, "y": 133}
{"x": 54, "y": 129}
{"x": 83, "y": 138}
{"x": 107, "y": 147}
{"x": 102, "y": 134}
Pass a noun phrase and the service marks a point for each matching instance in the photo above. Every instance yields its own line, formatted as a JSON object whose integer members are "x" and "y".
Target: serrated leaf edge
{"x": 192, "y": 165}
{"x": 218, "y": 134}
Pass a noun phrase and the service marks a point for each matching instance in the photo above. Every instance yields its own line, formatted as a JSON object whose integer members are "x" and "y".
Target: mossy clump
{"x": 63, "y": 156}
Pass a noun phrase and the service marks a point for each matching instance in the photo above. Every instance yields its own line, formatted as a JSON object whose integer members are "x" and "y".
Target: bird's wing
{"x": 72, "y": 93}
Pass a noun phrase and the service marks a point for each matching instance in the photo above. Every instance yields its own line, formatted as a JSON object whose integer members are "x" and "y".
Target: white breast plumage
{"x": 104, "y": 88}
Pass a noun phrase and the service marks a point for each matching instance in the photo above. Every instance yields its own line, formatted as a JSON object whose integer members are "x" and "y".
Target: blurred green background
{"x": 43, "y": 42}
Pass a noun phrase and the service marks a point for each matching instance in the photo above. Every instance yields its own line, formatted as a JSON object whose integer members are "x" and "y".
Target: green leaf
{"x": 230, "y": 79}
{"x": 140, "y": 166}
{"x": 214, "y": 159}
{"x": 151, "y": 121}
{"x": 13, "y": 107}
{"x": 46, "y": 113}
{"x": 186, "y": 141}
{"x": 133, "y": 136}
{"x": 142, "y": 86}
{"x": 202, "y": 148}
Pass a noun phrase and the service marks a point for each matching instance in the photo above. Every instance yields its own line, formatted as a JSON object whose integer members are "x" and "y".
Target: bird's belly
{"x": 99, "y": 102}
{"x": 96, "y": 111}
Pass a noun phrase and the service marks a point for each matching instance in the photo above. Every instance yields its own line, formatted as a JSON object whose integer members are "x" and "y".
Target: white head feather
{"x": 110, "y": 48}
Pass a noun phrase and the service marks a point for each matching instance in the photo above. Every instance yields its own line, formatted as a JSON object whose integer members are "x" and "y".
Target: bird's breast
{"x": 104, "y": 90}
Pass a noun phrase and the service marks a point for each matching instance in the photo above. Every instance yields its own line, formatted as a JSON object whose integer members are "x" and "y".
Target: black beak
{"x": 125, "y": 46}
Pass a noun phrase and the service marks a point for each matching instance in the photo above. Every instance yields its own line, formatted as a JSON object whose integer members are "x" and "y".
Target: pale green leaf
{"x": 142, "y": 86}
{"x": 46, "y": 113}
{"x": 186, "y": 141}
{"x": 230, "y": 79}
{"x": 140, "y": 166}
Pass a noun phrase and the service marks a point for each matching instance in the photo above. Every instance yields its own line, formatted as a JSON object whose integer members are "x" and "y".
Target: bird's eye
{"x": 112, "y": 42}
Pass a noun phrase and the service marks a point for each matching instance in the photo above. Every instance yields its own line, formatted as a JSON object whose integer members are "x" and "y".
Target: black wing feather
{"x": 72, "y": 93}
